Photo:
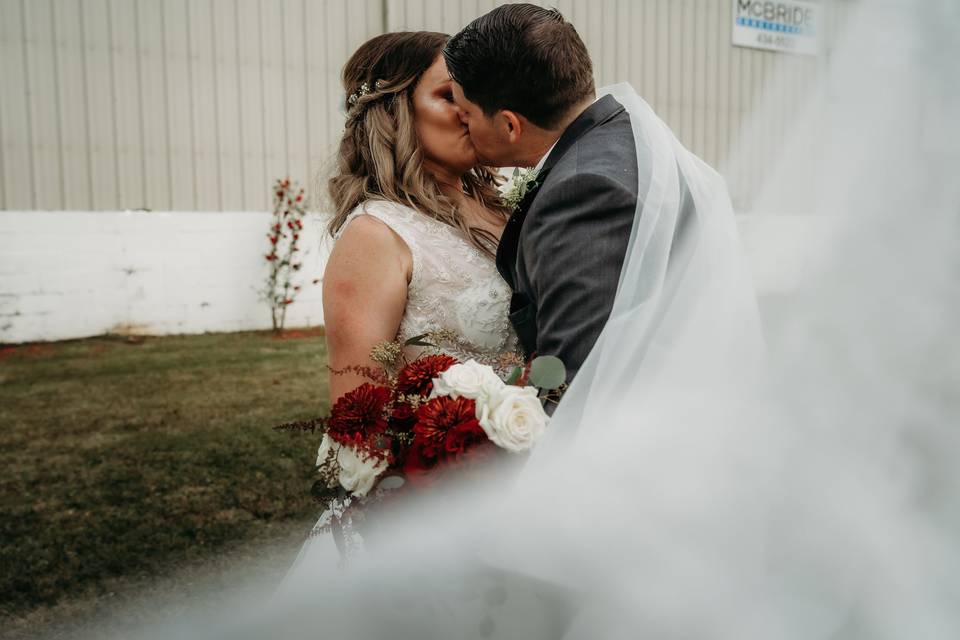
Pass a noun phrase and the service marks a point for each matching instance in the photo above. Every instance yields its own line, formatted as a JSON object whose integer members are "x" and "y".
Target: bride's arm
{"x": 364, "y": 295}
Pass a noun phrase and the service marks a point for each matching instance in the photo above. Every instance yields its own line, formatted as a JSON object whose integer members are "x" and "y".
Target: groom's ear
{"x": 513, "y": 125}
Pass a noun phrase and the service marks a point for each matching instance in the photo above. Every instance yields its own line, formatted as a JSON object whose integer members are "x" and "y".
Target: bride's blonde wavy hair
{"x": 380, "y": 157}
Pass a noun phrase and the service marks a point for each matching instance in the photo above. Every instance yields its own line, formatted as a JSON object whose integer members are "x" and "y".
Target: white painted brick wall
{"x": 75, "y": 274}
{"x": 72, "y": 274}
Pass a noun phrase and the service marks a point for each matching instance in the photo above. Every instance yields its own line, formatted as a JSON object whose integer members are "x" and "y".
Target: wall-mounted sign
{"x": 790, "y": 26}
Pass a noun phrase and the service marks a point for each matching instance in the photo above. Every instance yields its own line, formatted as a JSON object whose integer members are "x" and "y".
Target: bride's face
{"x": 444, "y": 139}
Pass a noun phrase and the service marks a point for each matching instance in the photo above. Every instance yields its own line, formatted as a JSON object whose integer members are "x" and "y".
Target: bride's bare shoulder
{"x": 368, "y": 243}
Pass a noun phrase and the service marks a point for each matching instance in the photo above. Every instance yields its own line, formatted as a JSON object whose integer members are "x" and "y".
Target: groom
{"x": 523, "y": 81}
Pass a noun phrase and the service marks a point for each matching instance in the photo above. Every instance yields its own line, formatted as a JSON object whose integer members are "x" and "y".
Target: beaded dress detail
{"x": 454, "y": 286}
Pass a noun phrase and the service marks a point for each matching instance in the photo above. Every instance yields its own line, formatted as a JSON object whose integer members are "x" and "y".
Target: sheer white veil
{"x": 685, "y": 315}
{"x": 684, "y": 299}
{"x": 696, "y": 484}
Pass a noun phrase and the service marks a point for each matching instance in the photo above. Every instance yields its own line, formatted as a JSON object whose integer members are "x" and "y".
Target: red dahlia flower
{"x": 438, "y": 416}
{"x": 403, "y": 417}
{"x": 445, "y": 429}
{"x": 358, "y": 415}
{"x": 463, "y": 438}
{"x": 417, "y": 377}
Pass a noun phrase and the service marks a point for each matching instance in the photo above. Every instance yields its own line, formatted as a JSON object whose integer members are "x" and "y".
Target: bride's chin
{"x": 468, "y": 162}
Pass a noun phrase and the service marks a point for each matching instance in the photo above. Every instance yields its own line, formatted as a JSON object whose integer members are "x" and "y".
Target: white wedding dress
{"x": 454, "y": 286}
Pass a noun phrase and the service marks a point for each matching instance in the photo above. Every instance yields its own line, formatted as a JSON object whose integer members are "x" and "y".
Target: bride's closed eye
{"x": 444, "y": 91}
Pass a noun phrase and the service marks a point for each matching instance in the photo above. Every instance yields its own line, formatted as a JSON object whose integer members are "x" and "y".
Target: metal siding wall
{"x": 73, "y": 116}
{"x": 229, "y": 106}
{"x": 44, "y": 105}
{"x": 200, "y": 104}
{"x": 16, "y": 142}
{"x": 252, "y": 129}
{"x": 154, "y": 105}
{"x": 169, "y": 104}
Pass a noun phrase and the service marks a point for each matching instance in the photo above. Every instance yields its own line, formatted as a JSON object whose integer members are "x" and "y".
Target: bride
{"x": 417, "y": 220}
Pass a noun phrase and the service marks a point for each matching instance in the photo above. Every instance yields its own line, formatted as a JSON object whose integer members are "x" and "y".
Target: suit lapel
{"x": 509, "y": 239}
{"x": 599, "y": 112}
{"x": 596, "y": 114}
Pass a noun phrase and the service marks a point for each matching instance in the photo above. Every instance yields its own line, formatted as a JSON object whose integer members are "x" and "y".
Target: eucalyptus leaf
{"x": 547, "y": 372}
{"x": 391, "y": 482}
{"x": 418, "y": 343}
{"x": 415, "y": 340}
{"x": 514, "y": 375}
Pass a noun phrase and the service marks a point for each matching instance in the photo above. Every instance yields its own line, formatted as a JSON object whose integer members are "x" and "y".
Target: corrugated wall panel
{"x": 43, "y": 95}
{"x": 16, "y": 145}
{"x": 153, "y": 98}
{"x": 200, "y": 104}
{"x": 229, "y": 103}
{"x": 338, "y": 48}
{"x": 127, "y": 80}
{"x": 206, "y": 137}
{"x": 294, "y": 93}
{"x": 76, "y": 163}
{"x": 711, "y": 106}
{"x": 250, "y": 100}
{"x": 274, "y": 91}
{"x": 178, "y": 89}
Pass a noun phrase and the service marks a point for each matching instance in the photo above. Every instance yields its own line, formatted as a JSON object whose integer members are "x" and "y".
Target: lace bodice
{"x": 453, "y": 286}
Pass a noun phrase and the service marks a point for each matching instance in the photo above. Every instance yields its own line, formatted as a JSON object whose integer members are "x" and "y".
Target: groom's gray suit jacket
{"x": 562, "y": 250}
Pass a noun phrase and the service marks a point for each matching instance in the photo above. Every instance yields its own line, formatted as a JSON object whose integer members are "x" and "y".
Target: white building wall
{"x": 186, "y": 105}
{"x": 72, "y": 274}
{"x": 198, "y": 105}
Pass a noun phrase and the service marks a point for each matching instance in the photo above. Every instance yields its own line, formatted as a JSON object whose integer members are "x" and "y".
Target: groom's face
{"x": 490, "y": 136}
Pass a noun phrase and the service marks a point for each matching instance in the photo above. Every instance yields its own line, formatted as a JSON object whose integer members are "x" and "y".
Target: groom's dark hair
{"x": 523, "y": 58}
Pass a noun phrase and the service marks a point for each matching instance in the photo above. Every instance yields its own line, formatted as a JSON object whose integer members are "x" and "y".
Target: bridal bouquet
{"x": 415, "y": 419}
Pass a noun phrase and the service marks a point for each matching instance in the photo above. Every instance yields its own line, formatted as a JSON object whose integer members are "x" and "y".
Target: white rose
{"x": 513, "y": 418}
{"x": 468, "y": 380}
{"x": 358, "y": 472}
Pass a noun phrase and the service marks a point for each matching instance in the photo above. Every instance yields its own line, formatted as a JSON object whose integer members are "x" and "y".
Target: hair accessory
{"x": 364, "y": 90}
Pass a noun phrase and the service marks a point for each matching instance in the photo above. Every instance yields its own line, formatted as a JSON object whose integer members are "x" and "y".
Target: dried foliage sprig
{"x": 373, "y": 374}
{"x": 304, "y": 426}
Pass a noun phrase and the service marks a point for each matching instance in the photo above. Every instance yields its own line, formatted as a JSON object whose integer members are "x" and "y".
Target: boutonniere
{"x": 522, "y": 181}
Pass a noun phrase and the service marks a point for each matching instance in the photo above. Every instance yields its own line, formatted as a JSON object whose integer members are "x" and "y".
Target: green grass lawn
{"x": 130, "y": 459}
